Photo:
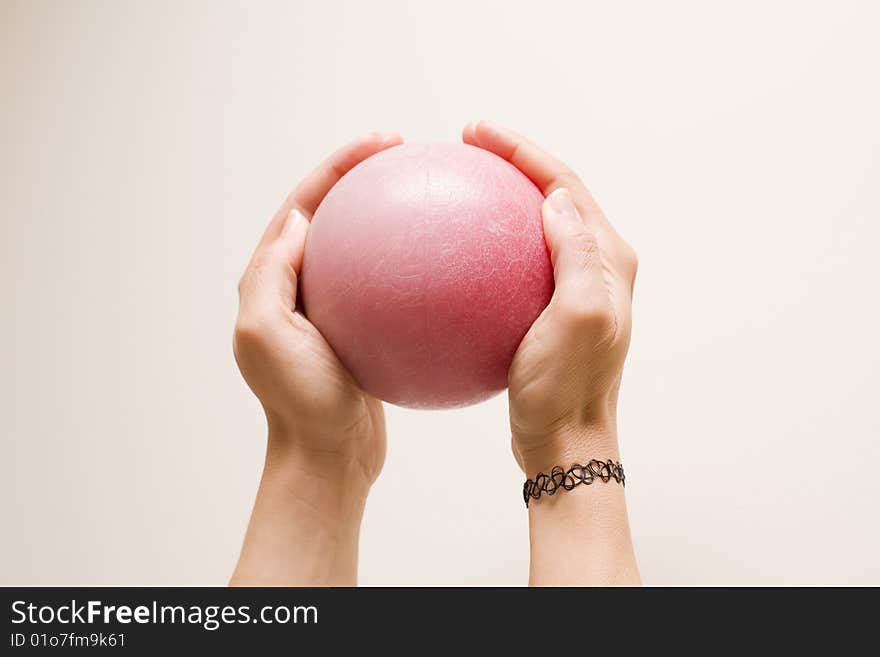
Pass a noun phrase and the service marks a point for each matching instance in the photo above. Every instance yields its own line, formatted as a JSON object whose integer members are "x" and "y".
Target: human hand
{"x": 326, "y": 436}
{"x": 565, "y": 376}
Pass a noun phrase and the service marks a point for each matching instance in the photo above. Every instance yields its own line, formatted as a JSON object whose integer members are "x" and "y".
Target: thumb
{"x": 576, "y": 258}
{"x": 270, "y": 279}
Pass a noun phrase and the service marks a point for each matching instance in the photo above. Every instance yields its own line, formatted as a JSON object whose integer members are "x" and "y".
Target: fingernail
{"x": 293, "y": 219}
{"x": 560, "y": 201}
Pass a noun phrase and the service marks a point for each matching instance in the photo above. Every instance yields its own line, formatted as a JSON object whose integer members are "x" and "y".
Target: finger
{"x": 311, "y": 191}
{"x": 581, "y": 292}
{"x": 550, "y": 174}
{"x": 543, "y": 169}
{"x": 468, "y": 134}
{"x": 547, "y": 172}
{"x": 268, "y": 287}
{"x": 270, "y": 277}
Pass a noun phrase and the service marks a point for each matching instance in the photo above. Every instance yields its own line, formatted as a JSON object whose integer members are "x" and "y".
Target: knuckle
{"x": 256, "y": 271}
{"x": 567, "y": 176}
{"x": 585, "y": 250}
{"x": 260, "y": 262}
{"x": 571, "y": 181}
{"x": 250, "y": 332}
{"x": 588, "y": 316}
{"x": 589, "y": 246}
{"x": 597, "y": 319}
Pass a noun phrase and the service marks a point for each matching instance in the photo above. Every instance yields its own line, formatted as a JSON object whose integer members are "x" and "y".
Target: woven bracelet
{"x": 558, "y": 478}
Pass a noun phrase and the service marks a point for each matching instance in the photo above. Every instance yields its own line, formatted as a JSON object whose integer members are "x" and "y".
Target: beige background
{"x": 143, "y": 146}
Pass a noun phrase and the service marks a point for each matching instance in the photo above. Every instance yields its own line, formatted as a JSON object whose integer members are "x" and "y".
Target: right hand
{"x": 326, "y": 441}
{"x": 317, "y": 413}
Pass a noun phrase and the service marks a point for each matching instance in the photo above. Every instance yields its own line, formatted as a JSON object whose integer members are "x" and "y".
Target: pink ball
{"x": 424, "y": 267}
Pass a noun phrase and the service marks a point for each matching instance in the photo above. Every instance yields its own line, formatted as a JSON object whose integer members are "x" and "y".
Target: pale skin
{"x": 326, "y": 436}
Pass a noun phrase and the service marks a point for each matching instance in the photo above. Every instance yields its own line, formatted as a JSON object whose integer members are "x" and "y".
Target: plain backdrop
{"x": 144, "y": 146}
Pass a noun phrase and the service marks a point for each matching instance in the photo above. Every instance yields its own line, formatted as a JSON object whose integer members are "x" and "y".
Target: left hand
{"x": 565, "y": 375}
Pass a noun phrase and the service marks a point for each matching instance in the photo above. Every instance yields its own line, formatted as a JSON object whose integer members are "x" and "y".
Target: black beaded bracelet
{"x": 568, "y": 479}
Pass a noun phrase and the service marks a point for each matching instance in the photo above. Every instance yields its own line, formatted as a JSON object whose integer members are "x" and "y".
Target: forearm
{"x": 305, "y": 525}
{"x": 580, "y": 537}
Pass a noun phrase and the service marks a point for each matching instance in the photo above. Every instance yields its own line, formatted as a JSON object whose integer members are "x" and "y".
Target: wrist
{"x": 572, "y": 444}
{"x": 325, "y": 448}
{"x": 331, "y": 479}
{"x": 581, "y": 537}
{"x": 305, "y": 525}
